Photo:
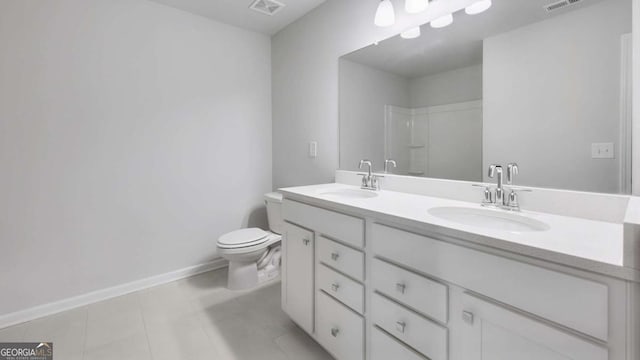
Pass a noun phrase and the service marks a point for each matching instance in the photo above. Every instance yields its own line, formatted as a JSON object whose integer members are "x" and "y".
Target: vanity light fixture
{"x": 412, "y": 33}
{"x": 415, "y": 6}
{"x": 478, "y": 7}
{"x": 442, "y": 21}
{"x": 385, "y": 15}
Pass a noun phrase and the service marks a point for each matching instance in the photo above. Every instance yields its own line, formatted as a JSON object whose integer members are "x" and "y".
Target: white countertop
{"x": 586, "y": 244}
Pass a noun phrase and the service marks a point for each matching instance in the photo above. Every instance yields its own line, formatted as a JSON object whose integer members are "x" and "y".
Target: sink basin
{"x": 349, "y": 194}
{"x": 489, "y": 219}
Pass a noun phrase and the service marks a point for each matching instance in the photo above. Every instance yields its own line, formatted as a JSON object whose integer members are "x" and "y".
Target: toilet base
{"x": 245, "y": 275}
{"x": 242, "y": 275}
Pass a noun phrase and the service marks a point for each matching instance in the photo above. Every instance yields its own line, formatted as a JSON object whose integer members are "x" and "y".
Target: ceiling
{"x": 458, "y": 45}
{"x": 237, "y": 12}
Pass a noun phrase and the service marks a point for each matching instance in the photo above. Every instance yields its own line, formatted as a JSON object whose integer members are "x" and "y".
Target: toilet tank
{"x": 274, "y": 212}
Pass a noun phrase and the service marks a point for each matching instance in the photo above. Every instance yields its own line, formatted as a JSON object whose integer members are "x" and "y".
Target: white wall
{"x": 455, "y": 86}
{"x": 305, "y": 81}
{"x": 132, "y": 135}
{"x": 455, "y": 141}
{"x": 557, "y": 104}
{"x": 364, "y": 92}
{"x": 635, "y": 176}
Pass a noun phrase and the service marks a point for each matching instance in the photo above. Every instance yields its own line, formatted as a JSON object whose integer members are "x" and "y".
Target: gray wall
{"x": 132, "y": 135}
{"x": 459, "y": 85}
{"x": 545, "y": 111}
{"x": 364, "y": 92}
{"x": 305, "y": 81}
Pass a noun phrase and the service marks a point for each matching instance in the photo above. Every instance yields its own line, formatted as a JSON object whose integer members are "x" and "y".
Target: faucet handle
{"x": 513, "y": 204}
{"x": 512, "y": 171}
{"x": 374, "y": 183}
{"x": 487, "y": 195}
{"x": 365, "y": 180}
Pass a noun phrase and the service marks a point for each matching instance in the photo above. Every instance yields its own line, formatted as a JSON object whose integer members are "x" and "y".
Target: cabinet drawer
{"x": 339, "y": 226}
{"x": 342, "y": 258}
{"x": 348, "y": 291}
{"x": 421, "y": 334}
{"x": 422, "y": 294}
{"x": 339, "y": 330}
{"x": 574, "y": 302}
{"x": 384, "y": 347}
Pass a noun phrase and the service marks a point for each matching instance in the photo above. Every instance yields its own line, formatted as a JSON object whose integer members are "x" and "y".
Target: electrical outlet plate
{"x": 602, "y": 151}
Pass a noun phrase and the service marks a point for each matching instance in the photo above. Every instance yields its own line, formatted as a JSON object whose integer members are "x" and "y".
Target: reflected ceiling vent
{"x": 557, "y": 5}
{"x": 267, "y": 7}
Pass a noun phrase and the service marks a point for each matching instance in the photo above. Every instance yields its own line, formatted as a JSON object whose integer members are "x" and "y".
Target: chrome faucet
{"x": 369, "y": 180}
{"x": 496, "y": 171}
{"x": 499, "y": 199}
{"x": 387, "y": 163}
{"x": 512, "y": 203}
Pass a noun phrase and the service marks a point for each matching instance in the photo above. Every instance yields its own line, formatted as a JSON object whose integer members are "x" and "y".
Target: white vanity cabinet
{"x": 332, "y": 270}
{"x": 375, "y": 290}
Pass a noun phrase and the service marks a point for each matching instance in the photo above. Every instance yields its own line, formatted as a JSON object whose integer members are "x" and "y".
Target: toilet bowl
{"x": 253, "y": 253}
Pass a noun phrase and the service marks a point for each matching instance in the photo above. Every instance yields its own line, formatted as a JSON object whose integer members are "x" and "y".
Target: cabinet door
{"x": 493, "y": 332}
{"x": 297, "y": 292}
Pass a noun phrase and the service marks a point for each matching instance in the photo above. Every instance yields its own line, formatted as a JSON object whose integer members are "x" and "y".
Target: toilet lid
{"x": 243, "y": 237}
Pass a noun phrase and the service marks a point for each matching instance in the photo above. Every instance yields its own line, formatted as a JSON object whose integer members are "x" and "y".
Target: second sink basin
{"x": 489, "y": 219}
{"x": 349, "y": 194}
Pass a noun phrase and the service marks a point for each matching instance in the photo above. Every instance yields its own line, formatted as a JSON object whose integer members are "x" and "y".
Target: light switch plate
{"x": 602, "y": 151}
{"x": 313, "y": 149}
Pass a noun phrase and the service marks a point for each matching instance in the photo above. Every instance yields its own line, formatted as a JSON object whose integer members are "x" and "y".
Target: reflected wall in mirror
{"x": 549, "y": 90}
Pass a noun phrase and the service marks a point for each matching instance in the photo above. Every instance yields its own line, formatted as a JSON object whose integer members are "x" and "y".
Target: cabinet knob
{"x": 400, "y": 287}
{"x": 306, "y": 241}
{"x": 335, "y": 331}
{"x": 335, "y": 256}
{"x": 400, "y": 325}
{"x": 467, "y": 317}
{"x": 335, "y": 287}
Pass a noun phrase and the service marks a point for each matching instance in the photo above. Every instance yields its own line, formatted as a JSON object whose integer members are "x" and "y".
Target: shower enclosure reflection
{"x": 442, "y": 141}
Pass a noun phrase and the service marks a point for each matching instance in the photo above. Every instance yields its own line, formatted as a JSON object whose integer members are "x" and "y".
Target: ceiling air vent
{"x": 557, "y": 5}
{"x": 267, "y": 7}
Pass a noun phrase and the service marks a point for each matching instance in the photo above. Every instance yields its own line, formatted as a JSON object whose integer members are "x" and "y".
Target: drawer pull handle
{"x": 305, "y": 241}
{"x": 400, "y": 325}
{"x": 335, "y": 256}
{"x": 467, "y": 317}
{"x": 335, "y": 332}
{"x": 335, "y": 287}
{"x": 401, "y": 288}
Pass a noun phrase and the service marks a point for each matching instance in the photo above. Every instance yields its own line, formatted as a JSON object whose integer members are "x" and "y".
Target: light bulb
{"x": 385, "y": 16}
{"x": 415, "y": 6}
{"x": 411, "y": 33}
{"x": 478, "y": 7}
{"x": 442, "y": 21}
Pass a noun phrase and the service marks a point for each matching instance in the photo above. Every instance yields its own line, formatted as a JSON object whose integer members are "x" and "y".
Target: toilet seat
{"x": 243, "y": 238}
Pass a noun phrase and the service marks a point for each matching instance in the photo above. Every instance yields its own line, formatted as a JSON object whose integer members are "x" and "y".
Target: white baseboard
{"x": 108, "y": 293}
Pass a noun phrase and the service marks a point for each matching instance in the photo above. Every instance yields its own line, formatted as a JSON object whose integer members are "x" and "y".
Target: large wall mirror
{"x": 546, "y": 87}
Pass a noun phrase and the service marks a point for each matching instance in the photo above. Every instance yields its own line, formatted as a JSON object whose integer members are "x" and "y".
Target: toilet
{"x": 253, "y": 253}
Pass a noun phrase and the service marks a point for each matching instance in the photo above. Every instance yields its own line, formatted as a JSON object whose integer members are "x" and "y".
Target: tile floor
{"x": 194, "y": 318}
